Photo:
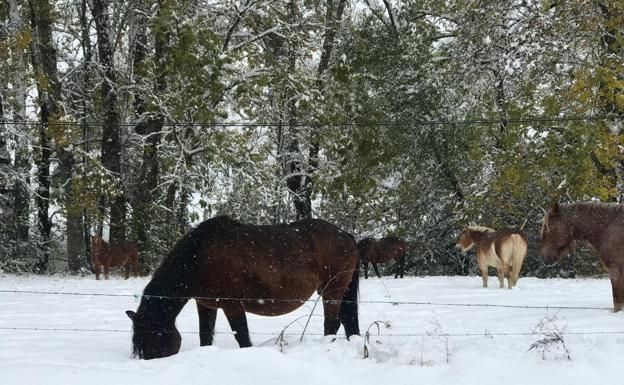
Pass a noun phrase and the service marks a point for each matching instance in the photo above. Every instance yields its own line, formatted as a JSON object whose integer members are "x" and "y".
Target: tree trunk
{"x": 22, "y": 165}
{"x": 43, "y": 18}
{"x": 73, "y": 215}
{"x": 153, "y": 124}
{"x": 85, "y": 113}
{"x": 111, "y": 142}
{"x": 299, "y": 180}
{"x": 43, "y": 57}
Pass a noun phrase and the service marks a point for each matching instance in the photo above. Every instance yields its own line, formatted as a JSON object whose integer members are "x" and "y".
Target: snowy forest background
{"x": 401, "y": 117}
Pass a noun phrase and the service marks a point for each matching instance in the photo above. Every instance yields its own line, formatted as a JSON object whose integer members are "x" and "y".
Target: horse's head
{"x": 151, "y": 340}
{"x": 556, "y": 241}
{"x": 96, "y": 242}
{"x": 397, "y": 247}
{"x": 465, "y": 241}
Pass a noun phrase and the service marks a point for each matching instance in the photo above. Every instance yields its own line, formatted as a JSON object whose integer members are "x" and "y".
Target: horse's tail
{"x": 349, "y": 305}
{"x": 520, "y": 248}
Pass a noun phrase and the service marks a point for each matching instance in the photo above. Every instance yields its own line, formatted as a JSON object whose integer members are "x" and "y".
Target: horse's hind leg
{"x": 517, "y": 258}
{"x": 333, "y": 294}
{"x": 365, "y": 270}
{"x": 96, "y": 269}
{"x": 207, "y": 319}
{"x": 331, "y": 313}
{"x": 501, "y": 276}
{"x": 237, "y": 319}
{"x": 349, "y": 307}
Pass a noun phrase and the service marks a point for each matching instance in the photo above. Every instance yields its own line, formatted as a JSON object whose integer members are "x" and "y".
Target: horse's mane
{"x": 182, "y": 260}
{"x": 606, "y": 210}
{"x": 166, "y": 291}
{"x": 480, "y": 229}
{"x": 608, "y": 207}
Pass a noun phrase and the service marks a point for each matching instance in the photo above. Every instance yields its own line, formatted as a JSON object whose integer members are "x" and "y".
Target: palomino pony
{"x": 125, "y": 254}
{"x": 504, "y": 249}
{"x": 601, "y": 225}
{"x": 265, "y": 270}
{"x": 382, "y": 250}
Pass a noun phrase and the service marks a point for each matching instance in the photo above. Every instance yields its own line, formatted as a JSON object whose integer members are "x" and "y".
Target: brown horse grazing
{"x": 504, "y": 249}
{"x": 601, "y": 225}
{"x": 265, "y": 270}
{"x": 382, "y": 250}
{"x": 123, "y": 254}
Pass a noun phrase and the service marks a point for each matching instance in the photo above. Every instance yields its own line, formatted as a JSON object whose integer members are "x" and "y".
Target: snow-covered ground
{"x": 88, "y": 357}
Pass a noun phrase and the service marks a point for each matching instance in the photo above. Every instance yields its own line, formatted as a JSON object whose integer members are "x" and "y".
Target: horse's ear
{"x": 131, "y": 314}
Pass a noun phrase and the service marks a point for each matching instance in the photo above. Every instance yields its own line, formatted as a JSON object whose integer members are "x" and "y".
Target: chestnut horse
{"x": 600, "y": 224}
{"x": 122, "y": 254}
{"x": 382, "y": 250}
{"x": 265, "y": 270}
{"x": 504, "y": 249}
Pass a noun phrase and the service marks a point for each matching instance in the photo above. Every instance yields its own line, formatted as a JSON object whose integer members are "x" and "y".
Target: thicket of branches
{"x": 101, "y": 100}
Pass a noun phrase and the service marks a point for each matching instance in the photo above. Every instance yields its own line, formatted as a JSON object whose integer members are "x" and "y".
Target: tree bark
{"x": 111, "y": 142}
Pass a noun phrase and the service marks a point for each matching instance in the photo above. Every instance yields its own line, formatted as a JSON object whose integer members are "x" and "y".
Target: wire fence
{"x": 283, "y": 332}
{"x": 302, "y": 301}
{"x": 413, "y": 123}
{"x": 276, "y": 334}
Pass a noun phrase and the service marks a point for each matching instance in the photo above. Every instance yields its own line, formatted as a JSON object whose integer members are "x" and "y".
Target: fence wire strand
{"x": 414, "y": 123}
{"x": 302, "y": 301}
{"x": 282, "y": 333}
{"x": 276, "y": 334}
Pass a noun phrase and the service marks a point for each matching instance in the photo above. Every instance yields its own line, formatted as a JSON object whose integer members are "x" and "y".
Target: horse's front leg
{"x": 376, "y": 269}
{"x": 365, "y": 263}
{"x": 483, "y": 267}
{"x": 207, "y": 319}
{"x": 106, "y": 270}
{"x": 400, "y": 267}
{"x": 616, "y": 275}
{"x": 235, "y": 313}
{"x": 96, "y": 268}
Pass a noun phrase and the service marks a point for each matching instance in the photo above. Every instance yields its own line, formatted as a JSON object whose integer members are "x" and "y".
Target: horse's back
{"x": 226, "y": 258}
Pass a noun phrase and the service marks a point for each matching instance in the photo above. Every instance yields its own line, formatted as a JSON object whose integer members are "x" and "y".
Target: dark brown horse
{"x": 382, "y": 250}
{"x": 122, "y": 254}
{"x": 504, "y": 250}
{"x": 266, "y": 270}
{"x": 601, "y": 225}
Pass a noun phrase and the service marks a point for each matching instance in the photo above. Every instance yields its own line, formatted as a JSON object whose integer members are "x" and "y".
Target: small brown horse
{"x": 382, "y": 250}
{"x": 600, "y": 224}
{"x": 123, "y": 254}
{"x": 504, "y": 249}
{"x": 265, "y": 270}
